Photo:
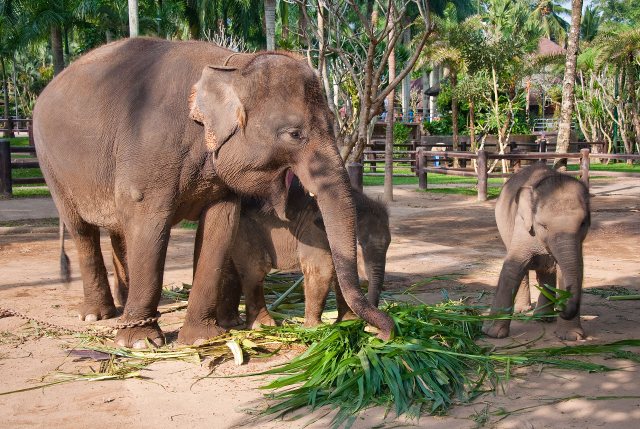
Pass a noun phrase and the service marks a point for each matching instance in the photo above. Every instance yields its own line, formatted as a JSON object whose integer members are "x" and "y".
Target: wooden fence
{"x": 7, "y": 163}
{"x": 420, "y": 160}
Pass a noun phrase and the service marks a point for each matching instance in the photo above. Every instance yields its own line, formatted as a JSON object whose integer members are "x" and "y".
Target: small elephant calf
{"x": 543, "y": 217}
{"x": 265, "y": 242}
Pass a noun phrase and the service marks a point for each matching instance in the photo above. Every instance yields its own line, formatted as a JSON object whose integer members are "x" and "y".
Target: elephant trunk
{"x": 375, "y": 272}
{"x": 568, "y": 255}
{"x": 334, "y": 195}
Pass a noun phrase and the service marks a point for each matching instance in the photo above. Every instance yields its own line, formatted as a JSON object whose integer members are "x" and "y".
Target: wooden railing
{"x": 7, "y": 163}
{"x": 482, "y": 157}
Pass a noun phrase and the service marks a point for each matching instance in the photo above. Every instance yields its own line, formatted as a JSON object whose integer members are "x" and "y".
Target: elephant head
{"x": 266, "y": 118}
{"x": 556, "y": 211}
{"x": 374, "y": 238}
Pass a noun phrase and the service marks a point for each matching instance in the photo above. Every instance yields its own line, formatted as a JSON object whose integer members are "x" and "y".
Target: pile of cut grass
{"x": 434, "y": 361}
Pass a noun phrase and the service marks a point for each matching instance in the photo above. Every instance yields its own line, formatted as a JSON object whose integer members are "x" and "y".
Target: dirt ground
{"x": 433, "y": 235}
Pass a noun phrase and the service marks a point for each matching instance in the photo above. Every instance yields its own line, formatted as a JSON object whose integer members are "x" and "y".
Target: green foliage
{"x": 401, "y": 133}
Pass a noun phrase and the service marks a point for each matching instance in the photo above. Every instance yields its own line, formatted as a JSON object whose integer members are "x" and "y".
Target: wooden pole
{"x": 5, "y": 169}
{"x": 482, "y": 175}
{"x": 355, "y": 170}
{"x": 421, "y": 160}
{"x": 584, "y": 166}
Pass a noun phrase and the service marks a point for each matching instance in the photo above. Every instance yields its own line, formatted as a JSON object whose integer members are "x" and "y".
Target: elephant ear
{"x": 524, "y": 199}
{"x": 215, "y": 104}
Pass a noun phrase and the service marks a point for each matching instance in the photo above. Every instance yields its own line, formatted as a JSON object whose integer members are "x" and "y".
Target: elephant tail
{"x": 65, "y": 266}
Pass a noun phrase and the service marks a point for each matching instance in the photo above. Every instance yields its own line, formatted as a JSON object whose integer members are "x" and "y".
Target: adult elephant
{"x": 543, "y": 217}
{"x": 142, "y": 133}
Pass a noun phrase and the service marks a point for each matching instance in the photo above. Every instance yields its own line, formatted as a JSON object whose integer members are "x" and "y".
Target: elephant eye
{"x": 295, "y": 134}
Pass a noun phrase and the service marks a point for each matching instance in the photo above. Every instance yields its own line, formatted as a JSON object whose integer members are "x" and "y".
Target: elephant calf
{"x": 264, "y": 242}
{"x": 543, "y": 218}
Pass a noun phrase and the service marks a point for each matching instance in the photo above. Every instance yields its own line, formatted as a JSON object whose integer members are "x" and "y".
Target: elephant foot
{"x": 262, "y": 319}
{"x": 198, "y": 333}
{"x": 140, "y": 337}
{"x": 94, "y": 312}
{"x": 569, "y": 330}
{"x": 230, "y": 321}
{"x": 312, "y": 323}
{"x": 521, "y": 307}
{"x": 545, "y": 315}
{"x": 496, "y": 328}
{"x": 349, "y": 315}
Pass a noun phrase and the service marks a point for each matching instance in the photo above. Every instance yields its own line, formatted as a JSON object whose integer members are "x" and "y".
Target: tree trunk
{"x": 5, "y": 99}
{"x": 406, "y": 82}
{"x": 568, "y": 97}
{"x": 133, "y": 18}
{"x": 270, "y": 23}
{"x": 56, "y": 49}
{"x": 631, "y": 83}
{"x": 454, "y": 118}
{"x": 388, "y": 143}
{"x": 472, "y": 124}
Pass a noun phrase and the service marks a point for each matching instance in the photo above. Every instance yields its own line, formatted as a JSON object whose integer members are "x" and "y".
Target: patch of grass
{"x": 432, "y": 179}
{"x": 24, "y": 192}
{"x": 187, "y": 224}
{"x": 492, "y": 192}
{"x": 25, "y": 172}
{"x": 606, "y": 292}
{"x": 612, "y": 166}
{"x": 19, "y": 141}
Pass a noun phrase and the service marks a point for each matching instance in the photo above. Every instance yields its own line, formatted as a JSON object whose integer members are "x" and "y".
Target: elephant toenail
{"x": 121, "y": 343}
{"x": 90, "y": 318}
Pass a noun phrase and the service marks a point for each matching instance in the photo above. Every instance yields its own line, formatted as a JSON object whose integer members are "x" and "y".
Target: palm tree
{"x": 270, "y": 23}
{"x": 590, "y": 23}
{"x": 568, "y": 83}
{"x": 548, "y": 13}
{"x": 621, "y": 49}
{"x": 133, "y": 18}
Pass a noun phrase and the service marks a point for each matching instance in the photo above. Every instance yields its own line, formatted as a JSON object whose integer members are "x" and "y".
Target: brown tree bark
{"x": 632, "y": 87}
{"x": 454, "y": 118}
{"x": 568, "y": 83}
{"x": 56, "y": 49}
{"x": 5, "y": 99}
{"x": 388, "y": 143}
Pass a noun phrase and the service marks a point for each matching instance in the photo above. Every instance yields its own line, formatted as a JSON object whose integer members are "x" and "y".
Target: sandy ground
{"x": 432, "y": 235}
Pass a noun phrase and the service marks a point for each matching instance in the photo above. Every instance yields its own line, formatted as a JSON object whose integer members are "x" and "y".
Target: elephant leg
{"x": 147, "y": 238}
{"x": 544, "y": 306}
{"x": 98, "y": 302}
{"x": 522, "y": 303}
{"x": 568, "y": 329}
{"x": 513, "y": 270}
{"x": 252, "y": 280}
{"x": 344, "y": 312}
{"x": 318, "y": 276}
{"x": 228, "y": 314}
{"x": 214, "y": 238}
{"x": 120, "y": 273}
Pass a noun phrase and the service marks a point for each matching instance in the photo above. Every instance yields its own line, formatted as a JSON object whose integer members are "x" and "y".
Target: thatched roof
{"x": 549, "y": 47}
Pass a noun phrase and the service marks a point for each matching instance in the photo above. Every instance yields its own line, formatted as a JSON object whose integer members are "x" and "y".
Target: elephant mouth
{"x": 288, "y": 179}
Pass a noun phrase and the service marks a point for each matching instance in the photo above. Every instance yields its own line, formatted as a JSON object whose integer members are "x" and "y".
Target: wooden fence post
{"x": 30, "y": 132}
{"x": 482, "y": 175}
{"x": 355, "y": 170}
{"x": 463, "y": 148}
{"x": 5, "y": 169}
{"x": 542, "y": 145}
{"x": 421, "y": 160}
{"x": 584, "y": 166}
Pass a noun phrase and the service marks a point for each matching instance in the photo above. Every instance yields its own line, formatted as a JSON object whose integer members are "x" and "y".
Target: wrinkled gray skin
{"x": 265, "y": 242}
{"x": 142, "y": 133}
{"x": 543, "y": 218}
